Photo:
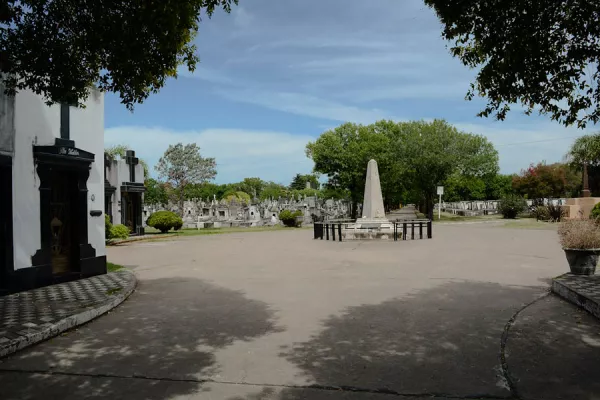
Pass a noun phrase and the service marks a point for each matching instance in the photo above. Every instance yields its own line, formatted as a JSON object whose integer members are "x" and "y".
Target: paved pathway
{"x": 276, "y": 315}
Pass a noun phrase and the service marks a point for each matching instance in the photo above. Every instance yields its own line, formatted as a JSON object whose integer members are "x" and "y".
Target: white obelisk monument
{"x": 373, "y": 210}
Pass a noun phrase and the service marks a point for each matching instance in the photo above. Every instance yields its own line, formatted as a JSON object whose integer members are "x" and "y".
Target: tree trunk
{"x": 181, "y": 199}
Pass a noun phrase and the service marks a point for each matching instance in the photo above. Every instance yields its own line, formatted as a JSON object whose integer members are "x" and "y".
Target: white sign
{"x": 440, "y": 190}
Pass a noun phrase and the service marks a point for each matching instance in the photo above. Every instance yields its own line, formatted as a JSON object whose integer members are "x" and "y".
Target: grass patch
{"x": 110, "y": 267}
{"x": 448, "y": 217}
{"x": 530, "y": 224}
{"x": 217, "y": 231}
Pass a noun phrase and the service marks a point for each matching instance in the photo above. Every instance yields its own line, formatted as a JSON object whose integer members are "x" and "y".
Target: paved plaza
{"x": 279, "y": 316}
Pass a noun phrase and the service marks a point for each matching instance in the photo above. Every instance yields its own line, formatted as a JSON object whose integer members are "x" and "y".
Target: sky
{"x": 274, "y": 75}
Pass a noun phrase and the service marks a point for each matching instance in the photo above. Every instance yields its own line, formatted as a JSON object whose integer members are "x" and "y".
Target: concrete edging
{"x": 571, "y": 295}
{"x": 69, "y": 322}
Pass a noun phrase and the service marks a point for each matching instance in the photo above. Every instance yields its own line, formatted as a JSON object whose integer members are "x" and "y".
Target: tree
{"x": 498, "y": 186}
{"x": 61, "y": 49}
{"x": 156, "y": 192}
{"x": 273, "y": 190}
{"x": 299, "y": 182}
{"x": 343, "y": 154}
{"x": 543, "y": 54}
{"x": 543, "y": 181}
{"x": 252, "y": 186}
{"x": 434, "y": 151}
{"x": 586, "y": 150}
{"x": 183, "y": 165}
{"x": 120, "y": 150}
{"x": 459, "y": 187}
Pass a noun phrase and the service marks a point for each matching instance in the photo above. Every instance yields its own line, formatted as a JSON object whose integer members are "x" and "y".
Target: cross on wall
{"x": 132, "y": 161}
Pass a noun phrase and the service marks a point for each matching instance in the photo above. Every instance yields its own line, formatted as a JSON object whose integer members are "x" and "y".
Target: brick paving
{"x": 38, "y": 313}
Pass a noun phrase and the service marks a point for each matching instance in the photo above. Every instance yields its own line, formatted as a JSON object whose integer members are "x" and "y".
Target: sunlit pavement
{"x": 277, "y": 315}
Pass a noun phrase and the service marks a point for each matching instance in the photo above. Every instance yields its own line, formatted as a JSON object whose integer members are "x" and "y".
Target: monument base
{"x": 580, "y": 207}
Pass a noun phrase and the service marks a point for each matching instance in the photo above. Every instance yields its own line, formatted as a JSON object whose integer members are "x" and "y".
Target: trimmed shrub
{"x": 107, "y": 226}
{"x": 512, "y": 205}
{"x": 595, "y": 213}
{"x": 164, "y": 221}
{"x": 289, "y": 218}
{"x": 178, "y": 224}
{"x": 119, "y": 232}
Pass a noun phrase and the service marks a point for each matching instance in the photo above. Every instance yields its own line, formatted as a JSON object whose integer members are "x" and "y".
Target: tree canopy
{"x": 299, "y": 182}
{"x": 181, "y": 166}
{"x": 413, "y": 158}
{"x": 543, "y": 54}
{"x": 543, "y": 181}
{"x": 62, "y": 48}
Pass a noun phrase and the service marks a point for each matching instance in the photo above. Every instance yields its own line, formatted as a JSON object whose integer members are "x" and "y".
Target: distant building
{"x": 124, "y": 192}
{"x": 51, "y": 191}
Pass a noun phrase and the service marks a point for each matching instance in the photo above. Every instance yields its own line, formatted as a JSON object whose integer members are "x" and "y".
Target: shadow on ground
{"x": 553, "y": 352}
{"x": 168, "y": 330}
{"x": 440, "y": 341}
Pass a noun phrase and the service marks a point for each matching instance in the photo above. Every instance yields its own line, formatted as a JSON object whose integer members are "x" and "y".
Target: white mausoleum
{"x": 51, "y": 191}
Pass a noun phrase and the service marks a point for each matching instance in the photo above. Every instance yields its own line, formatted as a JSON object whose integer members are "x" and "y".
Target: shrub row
{"x": 114, "y": 231}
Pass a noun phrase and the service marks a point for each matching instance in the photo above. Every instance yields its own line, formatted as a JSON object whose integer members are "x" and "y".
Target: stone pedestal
{"x": 580, "y": 207}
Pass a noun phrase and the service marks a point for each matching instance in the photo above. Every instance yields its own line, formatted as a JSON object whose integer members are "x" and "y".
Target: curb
{"x": 142, "y": 239}
{"x": 572, "y": 295}
{"x": 69, "y": 322}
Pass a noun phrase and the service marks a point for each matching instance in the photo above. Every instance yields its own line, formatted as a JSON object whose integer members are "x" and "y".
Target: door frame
{"x": 7, "y": 264}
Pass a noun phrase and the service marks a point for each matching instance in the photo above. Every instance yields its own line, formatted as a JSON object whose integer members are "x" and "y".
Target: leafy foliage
{"x": 540, "y": 213}
{"x": 238, "y": 197}
{"x": 156, "y": 192}
{"x": 555, "y": 212}
{"x": 547, "y": 181}
{"x": 107, "y": 226}
{"x": 543, "y": 54}
{"x": 164, "y": 221}
{"x": 289, "y": 218}
{"x": 595, "y": 213}
{"x": 183, "y": 165}
{"x": 299, "y": 182}
{"x": 61, "y": 49}
{"x": 120, "y": 150}
{"x": 119, "y": 232}
{"x": 511, "y": 205}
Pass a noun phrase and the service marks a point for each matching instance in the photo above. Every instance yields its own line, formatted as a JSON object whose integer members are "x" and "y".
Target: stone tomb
{"x": 373, "y": 224}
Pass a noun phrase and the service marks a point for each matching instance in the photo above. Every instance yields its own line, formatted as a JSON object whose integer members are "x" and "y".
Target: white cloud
{"x": 519, "y": 145}
{"x": 302, "y": 104}
{"x": 276, "y": 156}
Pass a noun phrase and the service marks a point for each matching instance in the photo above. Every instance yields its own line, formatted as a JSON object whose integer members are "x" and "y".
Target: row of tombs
{"x": 124, "y": 203}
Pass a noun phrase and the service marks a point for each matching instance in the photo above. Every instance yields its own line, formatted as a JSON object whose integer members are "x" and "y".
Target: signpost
{"x": 440, "y": 192}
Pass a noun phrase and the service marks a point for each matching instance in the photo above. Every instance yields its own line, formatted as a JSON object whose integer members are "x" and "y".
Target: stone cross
{"x": 65, "y": 123}
{"x": 132, "y": 160}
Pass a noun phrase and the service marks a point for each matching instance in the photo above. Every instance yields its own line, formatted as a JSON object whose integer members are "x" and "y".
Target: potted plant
{"x": 580, "y": 239}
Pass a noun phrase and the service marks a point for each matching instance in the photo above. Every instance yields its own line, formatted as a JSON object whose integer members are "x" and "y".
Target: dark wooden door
{"x": 63, "y": 222}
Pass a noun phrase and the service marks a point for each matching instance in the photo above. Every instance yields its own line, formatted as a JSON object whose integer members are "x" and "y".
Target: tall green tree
{"x": 300, "y": 180}
{"x": 252, "y": 186}
{"x": 62, "y": 48}
{"x": 498, "y": 186}
{"x": 343, "y": 154}
{"x": 156, "y": 192}
{"x": 181, "y": 166}
{"x": 542, "y": 54}
{"x": 434, "y": 151}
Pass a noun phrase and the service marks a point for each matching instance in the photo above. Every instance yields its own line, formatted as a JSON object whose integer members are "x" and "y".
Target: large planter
{"x": 582, "y": 262}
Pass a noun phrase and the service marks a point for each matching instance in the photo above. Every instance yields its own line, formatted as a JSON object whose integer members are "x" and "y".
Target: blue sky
{"x": 274, "y": 75}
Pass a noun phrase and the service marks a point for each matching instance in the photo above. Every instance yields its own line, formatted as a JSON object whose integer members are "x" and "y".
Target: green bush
{"x": 556, "y": 213}
{"x": 107, "y": 227}
{"x": 289, "y": 218}
{"x": 178, "y": 224}
{"x": 512, "y": 205}
{"x": 541, "y": 213}
{"x": 595, "y": 213}
{"x": 164, "y": 221}
{"x": 119, "y": 232}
